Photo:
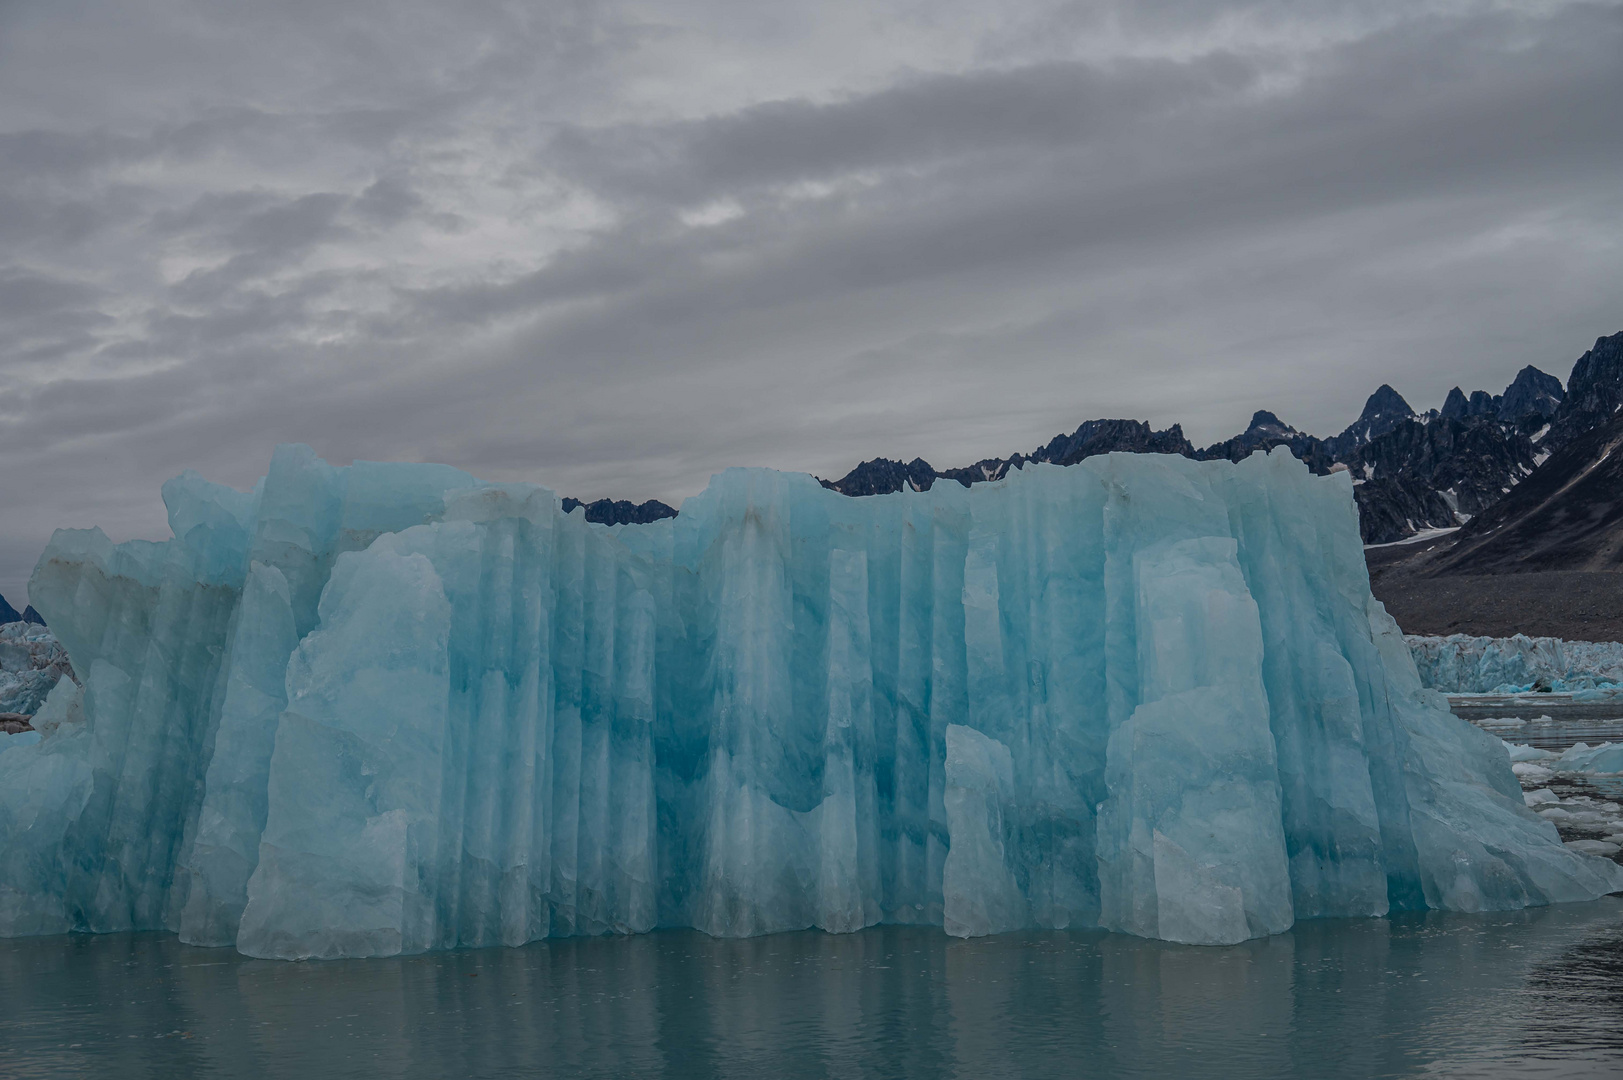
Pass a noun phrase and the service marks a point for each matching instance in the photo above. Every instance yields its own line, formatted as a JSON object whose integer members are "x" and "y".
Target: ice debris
{"x": 1579, "y": 759}
{"x": 1590, "y": 817}
{"x": 31, "y": 662}
{"x": 1461, "y": 664}
{"x": 388, "y": 708}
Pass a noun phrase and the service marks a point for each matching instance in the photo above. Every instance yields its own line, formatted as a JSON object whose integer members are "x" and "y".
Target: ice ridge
{"x": 386, "y": 708}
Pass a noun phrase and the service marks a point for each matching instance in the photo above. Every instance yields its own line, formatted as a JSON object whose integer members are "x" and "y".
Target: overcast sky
{"x": 616, "y": 247}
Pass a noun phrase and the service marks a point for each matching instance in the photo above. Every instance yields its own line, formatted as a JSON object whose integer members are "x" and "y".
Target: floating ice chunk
{"x": 1531, "y": 772}
{"x": 1519, "y": 753}
{"x": 1605, "y": 759}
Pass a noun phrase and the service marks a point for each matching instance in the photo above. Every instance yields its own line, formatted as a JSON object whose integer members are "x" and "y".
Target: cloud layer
{"x": 615, "y": 247}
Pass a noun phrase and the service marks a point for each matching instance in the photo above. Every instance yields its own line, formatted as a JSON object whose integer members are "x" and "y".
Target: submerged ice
{"x": 389, "y": 708}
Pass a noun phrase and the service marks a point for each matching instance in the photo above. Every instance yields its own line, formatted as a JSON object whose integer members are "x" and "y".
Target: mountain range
{"x": 1412, "y": 472}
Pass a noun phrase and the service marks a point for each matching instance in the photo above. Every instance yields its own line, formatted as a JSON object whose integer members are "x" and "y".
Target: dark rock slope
{"x": 1436, "y": 474}
{"x": 1567, "y": 515}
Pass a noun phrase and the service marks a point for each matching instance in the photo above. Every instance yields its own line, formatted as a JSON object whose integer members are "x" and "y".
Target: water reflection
{"x": 1523, "y": 994}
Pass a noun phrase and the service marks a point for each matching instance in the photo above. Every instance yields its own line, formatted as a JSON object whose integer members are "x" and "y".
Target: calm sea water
{"x": 1536, "y": 993}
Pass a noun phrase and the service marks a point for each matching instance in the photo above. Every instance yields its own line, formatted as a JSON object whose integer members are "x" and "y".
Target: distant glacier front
{"x": 388, "y": 708}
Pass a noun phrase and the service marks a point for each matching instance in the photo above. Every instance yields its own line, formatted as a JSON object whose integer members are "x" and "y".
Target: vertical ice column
{"x": 1311, "y": 668}
{"x": 756, "y": 867}
{"x": 1032, "y": 600}
{"x": 908, "y": 730}
{"x": 981, "y": 895}
{"x": 44, "y": 787}
{"x": 847, "y": 822}
{"x": 143, "y": 623}
{"x": 225, "y": 848}
{"x": 786, "y": 814}
{"x": 603, "y": 817}
{"x": 596, "y": 830}
{"x": 1190, "y": 842}
{"x": 547, "y": 816}
{"x": 980, "y": 892}
{"x": 493, "y": 824}
{"x": 347, "y": 860}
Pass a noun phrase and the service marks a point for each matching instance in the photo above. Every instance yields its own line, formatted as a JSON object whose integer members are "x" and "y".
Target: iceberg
{"x": 388, "y": 708}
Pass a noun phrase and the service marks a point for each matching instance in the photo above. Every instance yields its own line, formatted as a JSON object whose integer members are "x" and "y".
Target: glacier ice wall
{"x": 388, "y": 708}
{"x": 1461, "y": 664}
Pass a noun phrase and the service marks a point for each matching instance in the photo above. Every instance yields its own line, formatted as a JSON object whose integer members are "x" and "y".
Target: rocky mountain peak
{"x": 1264, "y": 422}
{"x": 1460, "y": 407}
{"x": 1531, "y": 392}
{"x": 1384, "y": 404}
{"x": 1384, "y": 411}
{"x": 1594, "y": 391}
{"x": 881, "y": 476}
{"x": 1455, "y": 405}
{"x": 1105, "y": 436}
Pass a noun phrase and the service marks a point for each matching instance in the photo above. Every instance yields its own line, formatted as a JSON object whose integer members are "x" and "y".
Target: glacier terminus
{"x": 388, "y": 708}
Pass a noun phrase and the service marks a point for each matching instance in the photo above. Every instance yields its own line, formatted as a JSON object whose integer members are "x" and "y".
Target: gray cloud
{"x": 921, "y": 123}
{"x": 615, "y": 253}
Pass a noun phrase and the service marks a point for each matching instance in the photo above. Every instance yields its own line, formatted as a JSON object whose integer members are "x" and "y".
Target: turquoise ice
{"x": 384, "y": 708}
